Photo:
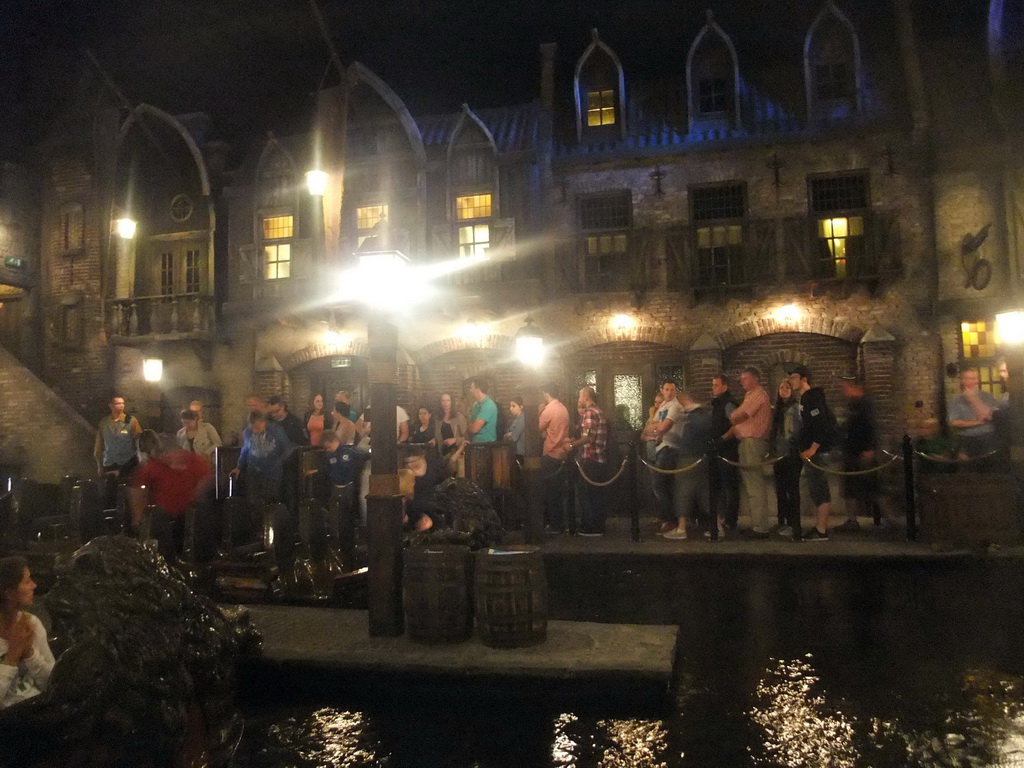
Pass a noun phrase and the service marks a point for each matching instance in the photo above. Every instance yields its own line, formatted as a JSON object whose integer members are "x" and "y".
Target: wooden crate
{"x": 966, "y": 508}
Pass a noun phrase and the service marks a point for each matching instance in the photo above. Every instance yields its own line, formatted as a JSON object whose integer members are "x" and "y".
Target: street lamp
{"x": 316, "y": 182}
{"x": 125, "y": 227}
{"x": 1010, "y": 334}
{"x": 377, "y": 275}
{"x": 530, "y": 351}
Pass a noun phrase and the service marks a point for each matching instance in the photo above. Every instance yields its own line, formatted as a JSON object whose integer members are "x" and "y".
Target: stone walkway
{"x": 336, "y": 640}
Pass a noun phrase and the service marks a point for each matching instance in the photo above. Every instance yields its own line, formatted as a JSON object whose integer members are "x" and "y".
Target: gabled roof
{"x": 515, "y": 128}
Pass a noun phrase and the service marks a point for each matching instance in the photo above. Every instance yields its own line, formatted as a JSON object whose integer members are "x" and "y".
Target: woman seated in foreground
{"x": 25, "y": 657}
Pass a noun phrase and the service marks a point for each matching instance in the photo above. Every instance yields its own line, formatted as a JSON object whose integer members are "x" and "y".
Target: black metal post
{"x": 908, "y": 485}
{"x": 711, "y": 457}
{"x": 634, "y": 491}
{"x": 532, "y": 472}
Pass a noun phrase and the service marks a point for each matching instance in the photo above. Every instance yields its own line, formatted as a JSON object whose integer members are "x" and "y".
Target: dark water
{"x": 863, "y": 665}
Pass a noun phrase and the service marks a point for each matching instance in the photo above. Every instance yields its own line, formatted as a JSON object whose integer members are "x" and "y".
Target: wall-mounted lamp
{"x": 472, "y": 332}
{"x": 530, "y": 344}
{"x": 788, "y": 315}
{"x": 316, "y": 182}
{"x": 152, "y": 369}
{"x": 125, "y": 228}
{"x": 1010, "y": 327}
{"x": 623, "y": 322}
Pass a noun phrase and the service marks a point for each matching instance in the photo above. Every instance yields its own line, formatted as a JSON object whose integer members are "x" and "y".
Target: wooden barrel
{"x": 511, "y": 597}
{"x": 436, "y": 594}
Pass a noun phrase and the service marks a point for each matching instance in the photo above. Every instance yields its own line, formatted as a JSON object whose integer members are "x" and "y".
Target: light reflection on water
{"x": 792, "y": 719}
{"x": 799, "y": 730}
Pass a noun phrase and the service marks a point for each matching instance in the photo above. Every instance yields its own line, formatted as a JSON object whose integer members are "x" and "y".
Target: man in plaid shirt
{"x": 593, "y": 459}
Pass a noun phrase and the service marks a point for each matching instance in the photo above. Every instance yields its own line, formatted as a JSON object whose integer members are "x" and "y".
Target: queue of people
{"x": 761, "y": 442}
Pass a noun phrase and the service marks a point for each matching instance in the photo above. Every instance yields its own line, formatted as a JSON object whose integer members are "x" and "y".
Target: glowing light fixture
{"x": 1010, "y": 327}
{"x": 316, "y": 182}
{"x": 530, "y": 344}
{"x": 623, "y": 322}
{"x": 788, "y": 314}
{"x": 383, "y": 277}
{"x": 125, "y": 228}
{"x": 152, "y": 369}
{"x": 472, "y": 332}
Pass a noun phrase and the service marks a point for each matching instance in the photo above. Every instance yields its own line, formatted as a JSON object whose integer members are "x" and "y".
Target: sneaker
{"x": 666, "y": 527}
{"x": 676, "y": 533}
{"x": 850, "y": 526}
{"x": 784, "y": 530}
{"x": 589, "y": 533}
{"x": 551, "y": 531}
{"x": 815, "y": 535}
{"x": 721, "y": 534}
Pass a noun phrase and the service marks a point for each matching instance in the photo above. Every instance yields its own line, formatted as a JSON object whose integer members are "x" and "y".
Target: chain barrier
{"x": 561, "y": 468}
{"x": 678, "y": 471}
{"x": 770, "y": 460}
{"x": 947, "y": 460}
{"x": 854, "y": 472}
{"x": 583, "y": 474}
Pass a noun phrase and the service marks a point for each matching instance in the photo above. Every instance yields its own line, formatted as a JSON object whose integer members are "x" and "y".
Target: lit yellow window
{"x": 602, "y": 245}
{"x": 277, "y": 227}
{"x": 473, "y": 207}
{"x": 836, "y": 232}
{"x": 979, "y": 339}
{"x": 601, "y": 108}
{"x": 367, "y": 217}
{"x": 474, "y": 240}
{"x": 277, "y": 261}
{"x": 719, "y": 237}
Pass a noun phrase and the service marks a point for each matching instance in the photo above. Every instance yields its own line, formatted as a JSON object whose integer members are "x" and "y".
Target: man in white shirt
{"x": 665, "y": 434}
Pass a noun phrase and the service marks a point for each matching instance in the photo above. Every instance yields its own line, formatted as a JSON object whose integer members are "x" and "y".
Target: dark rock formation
{"x": 147, "y": 674}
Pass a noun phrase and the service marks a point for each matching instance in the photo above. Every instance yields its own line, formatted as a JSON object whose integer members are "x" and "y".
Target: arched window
{"x": 832, "y": 65}
{"x": 600, "y": 93}
{"x": 712, "y": 79}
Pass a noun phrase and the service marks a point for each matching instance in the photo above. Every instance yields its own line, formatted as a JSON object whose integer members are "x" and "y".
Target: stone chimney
{"x": 547, "y": 74}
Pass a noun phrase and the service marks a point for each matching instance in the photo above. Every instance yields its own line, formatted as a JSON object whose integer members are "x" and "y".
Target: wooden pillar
{"x": 384, "y": 501}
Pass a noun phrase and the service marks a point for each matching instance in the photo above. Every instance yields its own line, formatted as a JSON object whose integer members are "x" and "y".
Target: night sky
{"x": 254, "y": 65}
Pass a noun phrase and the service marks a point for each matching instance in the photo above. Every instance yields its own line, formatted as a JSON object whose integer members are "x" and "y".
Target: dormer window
{"x": 600, "y": 93}
{"x": 712, "y": 78}
{"x": 831, "y": 65}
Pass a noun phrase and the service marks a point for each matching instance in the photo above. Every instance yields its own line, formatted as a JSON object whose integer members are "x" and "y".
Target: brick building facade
{"x": 668, "y": 213}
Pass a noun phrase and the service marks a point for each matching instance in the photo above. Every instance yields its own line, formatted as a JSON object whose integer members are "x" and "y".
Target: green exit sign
{"x": 15, "y": 262}
{"x": 341, "y": 362}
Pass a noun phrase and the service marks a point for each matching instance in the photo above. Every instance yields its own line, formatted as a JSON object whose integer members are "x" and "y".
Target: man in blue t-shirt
{"x": 483, "y": 418}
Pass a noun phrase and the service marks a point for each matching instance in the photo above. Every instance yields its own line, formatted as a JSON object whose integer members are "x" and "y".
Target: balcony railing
{"x": 785, "y": 250}
{"x": 187, "y": 316}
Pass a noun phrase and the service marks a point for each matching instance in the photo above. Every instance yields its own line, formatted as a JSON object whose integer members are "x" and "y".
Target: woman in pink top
{"x": 314, "y": 420}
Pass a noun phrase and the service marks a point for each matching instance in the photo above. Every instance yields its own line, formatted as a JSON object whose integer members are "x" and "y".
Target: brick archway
{"x": 646, "y": 333}
{"x": 495, "y": 341}
{"x": 355, "y": 347}
{"x": 769, "y": 325}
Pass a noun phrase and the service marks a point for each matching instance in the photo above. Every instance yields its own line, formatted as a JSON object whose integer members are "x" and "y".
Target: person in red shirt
{"x": 171, "y": 481}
